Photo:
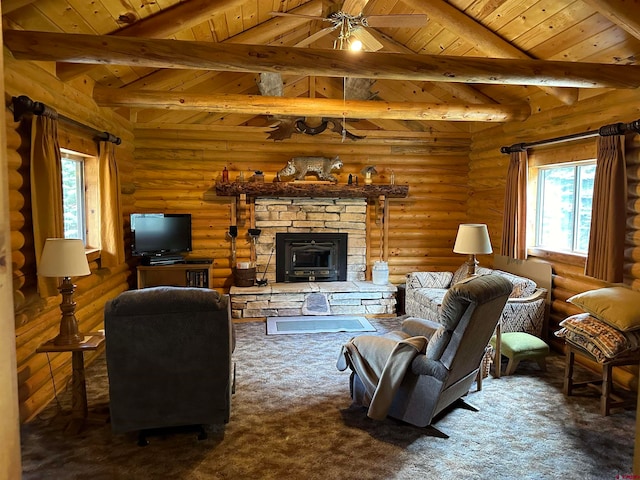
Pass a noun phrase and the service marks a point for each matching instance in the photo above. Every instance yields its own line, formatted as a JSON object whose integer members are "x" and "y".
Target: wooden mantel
{"x": 311, "y": 189}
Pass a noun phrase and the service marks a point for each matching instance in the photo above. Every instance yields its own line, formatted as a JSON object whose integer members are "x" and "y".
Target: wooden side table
{"x": 79, "y": 405}
{"x": 608, "y": 398}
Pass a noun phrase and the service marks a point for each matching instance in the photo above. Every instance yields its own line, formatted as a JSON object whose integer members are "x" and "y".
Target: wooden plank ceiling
{"x": 424, "y": 77}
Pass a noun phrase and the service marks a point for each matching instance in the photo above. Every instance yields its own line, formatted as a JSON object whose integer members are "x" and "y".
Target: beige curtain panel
{"x": 514, "y": 226}
{"x": 111, "y": 229}
{"x": 608, "y": 215}
{"x": 46, "y": 191}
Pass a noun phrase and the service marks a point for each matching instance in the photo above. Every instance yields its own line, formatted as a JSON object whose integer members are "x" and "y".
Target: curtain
{"x": 111, "y": 229}
{"x": 514, "y": 225}
{"x": 605, "y": 260}
{"x": 46, "y": 190}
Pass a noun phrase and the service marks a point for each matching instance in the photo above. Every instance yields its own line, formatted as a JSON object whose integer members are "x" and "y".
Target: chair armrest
{"x": 540, "y": 293}
{"x": 419, "y": 327}
{"x": 524, "y": 314}
{"x": 422, "y": 365}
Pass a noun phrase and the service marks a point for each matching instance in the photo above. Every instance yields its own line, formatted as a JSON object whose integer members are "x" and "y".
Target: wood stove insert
{"x": 311, "y": 257}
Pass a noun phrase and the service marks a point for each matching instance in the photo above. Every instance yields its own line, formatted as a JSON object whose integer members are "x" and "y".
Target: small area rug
{"x": 318, "y": 324}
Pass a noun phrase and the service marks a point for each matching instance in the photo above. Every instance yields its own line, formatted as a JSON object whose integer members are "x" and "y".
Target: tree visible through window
{"x": 73, "y": 202}
{"x": 565, "y": 195}
{"x": 81, "y": 213}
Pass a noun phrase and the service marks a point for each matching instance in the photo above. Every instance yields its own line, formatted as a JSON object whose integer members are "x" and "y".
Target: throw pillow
{"x": 429, "y": 279}
{"x": 609, "y": 340}
{"x": 582, "y": 342}
{"x": 617, "y": 306}
{"x": 461, "y": 273}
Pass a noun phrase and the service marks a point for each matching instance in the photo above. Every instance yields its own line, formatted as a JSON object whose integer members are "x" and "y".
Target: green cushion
{"x": 521, "y": 345}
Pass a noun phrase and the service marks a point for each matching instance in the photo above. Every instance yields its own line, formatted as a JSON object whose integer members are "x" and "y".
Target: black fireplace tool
{"x": 263, "y": 282}
{"x": 233, "y": 233}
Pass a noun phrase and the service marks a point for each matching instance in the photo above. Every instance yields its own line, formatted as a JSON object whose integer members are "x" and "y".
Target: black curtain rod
{"x": 23, "y": 105}
{"x": 605, "y": 131}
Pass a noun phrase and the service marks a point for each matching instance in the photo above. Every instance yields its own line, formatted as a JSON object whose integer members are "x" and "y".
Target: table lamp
{"x": 65, "y": 257}
{"x": 472, "y": 239}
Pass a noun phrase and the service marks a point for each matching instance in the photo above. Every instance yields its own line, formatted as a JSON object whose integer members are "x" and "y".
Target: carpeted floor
{"x": 292, "y": 418}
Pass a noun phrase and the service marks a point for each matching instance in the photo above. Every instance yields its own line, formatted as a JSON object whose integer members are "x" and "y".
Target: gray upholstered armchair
{"x": 168, "y": 352}
{"x": 415, "y": 373}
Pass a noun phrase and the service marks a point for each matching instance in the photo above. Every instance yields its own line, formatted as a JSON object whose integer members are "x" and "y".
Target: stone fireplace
{"x": 291, "y": 208}
{"x": 309, "y": 216}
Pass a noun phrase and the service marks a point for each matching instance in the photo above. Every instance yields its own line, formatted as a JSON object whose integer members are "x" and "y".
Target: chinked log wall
{"x": 176, "y": 171}
{"x": 487, "y": 174}
{"x": 37, "y": 319}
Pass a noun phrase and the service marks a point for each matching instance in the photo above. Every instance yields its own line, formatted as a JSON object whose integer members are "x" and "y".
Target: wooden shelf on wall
{"x": 311, "y": 189}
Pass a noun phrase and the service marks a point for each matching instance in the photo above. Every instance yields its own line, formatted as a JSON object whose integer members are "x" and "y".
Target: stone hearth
{"x": 287, "y": 299}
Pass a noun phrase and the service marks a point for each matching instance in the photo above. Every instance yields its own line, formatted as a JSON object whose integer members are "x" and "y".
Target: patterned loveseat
{"x": 524, "y": 311}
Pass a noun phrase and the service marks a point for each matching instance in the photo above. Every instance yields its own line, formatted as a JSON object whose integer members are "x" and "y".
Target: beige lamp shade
{"x": 63, "y": 257}
{"x": 472, "y": 238}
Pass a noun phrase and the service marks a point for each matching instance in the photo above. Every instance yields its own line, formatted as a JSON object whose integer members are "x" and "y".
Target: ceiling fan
{"x": 352, "y": 28}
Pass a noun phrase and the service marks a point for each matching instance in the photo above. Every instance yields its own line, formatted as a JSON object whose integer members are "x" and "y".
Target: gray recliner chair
{"x": 415, "y": 373}
{"x": 168, "y": 352}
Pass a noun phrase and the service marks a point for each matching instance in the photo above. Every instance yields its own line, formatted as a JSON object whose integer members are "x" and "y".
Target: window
{"x": 563, "y": 208}
{"x": 73, "y": 196}
{"x": 79, "y": 197}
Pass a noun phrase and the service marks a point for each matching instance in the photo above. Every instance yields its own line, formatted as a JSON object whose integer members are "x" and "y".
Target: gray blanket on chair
{"x": 381, "y": 363}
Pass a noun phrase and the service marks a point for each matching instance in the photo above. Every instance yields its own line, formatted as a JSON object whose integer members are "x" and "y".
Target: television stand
{"x": 176, "y": 275}
{"x": 163, "y": 260}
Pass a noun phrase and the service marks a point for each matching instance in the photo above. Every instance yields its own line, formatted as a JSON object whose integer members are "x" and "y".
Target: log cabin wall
{"x": 37, "y": 319}
{"x": 488, "y": 168}
{"x": 176, "y": 169}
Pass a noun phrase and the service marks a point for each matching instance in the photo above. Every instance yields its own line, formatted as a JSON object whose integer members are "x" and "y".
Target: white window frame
{"x": 80, "y": 210}
{"x": 538, "y": 208}
{"x": 87, "y": 186}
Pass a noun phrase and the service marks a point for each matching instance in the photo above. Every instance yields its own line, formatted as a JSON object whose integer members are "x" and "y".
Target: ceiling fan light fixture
{"x": 355, "y": 46}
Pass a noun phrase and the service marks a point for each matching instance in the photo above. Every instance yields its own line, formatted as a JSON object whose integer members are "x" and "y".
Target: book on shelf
{"x": 198, "y": 278}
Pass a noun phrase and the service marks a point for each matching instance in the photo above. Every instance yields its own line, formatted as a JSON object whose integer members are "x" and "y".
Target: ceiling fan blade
{"x": 369, "y": 42}
{"x": 316, "y": 36}
{"x": 398, "y": 21}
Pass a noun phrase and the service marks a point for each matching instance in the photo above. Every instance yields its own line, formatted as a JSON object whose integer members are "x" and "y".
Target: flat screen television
{"x": 160, "y": 234}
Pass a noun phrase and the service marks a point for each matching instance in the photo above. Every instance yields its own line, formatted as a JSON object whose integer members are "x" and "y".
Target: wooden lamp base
{"x": 69, "y": 334}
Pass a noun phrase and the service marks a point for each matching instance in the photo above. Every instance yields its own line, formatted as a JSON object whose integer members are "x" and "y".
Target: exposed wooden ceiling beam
{"x": 262, "y": 33}
{"x": 177, "y": 18}
{"x": 624, "y": 13}
{"x": 298, "y": 106}
{"x": 483, "y": 39}
{"x": 465, "y": 93}
{"x": 158, "y": 53}
{"x": 12, "y": 5}
{"x": 162, "y": 25}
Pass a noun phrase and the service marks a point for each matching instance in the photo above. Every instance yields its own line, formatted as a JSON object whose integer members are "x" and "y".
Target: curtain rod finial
{"x": 109, "y": 137}
{"x": 516, "y": 147}
{"x": 21, "y": 106}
